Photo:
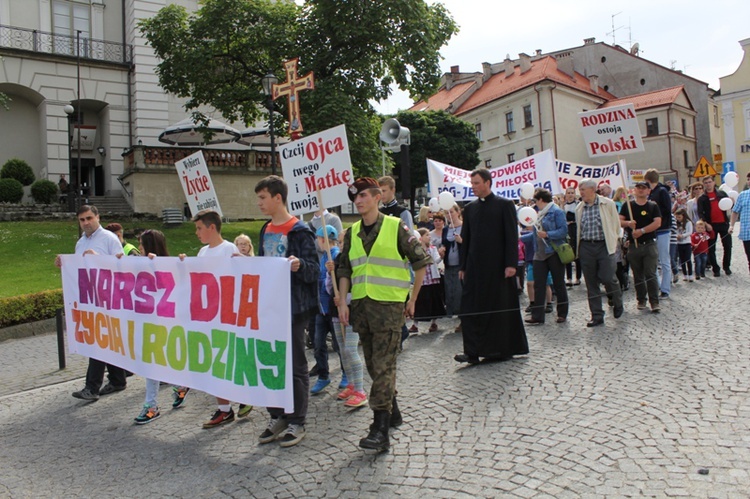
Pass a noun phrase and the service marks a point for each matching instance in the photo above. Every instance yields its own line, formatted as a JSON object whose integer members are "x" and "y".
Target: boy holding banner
{"x": 208, "y": 230}
{"x": 287, "y": 237}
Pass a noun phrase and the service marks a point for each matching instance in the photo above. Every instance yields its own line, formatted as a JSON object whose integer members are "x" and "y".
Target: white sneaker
{"x": 691, "y": 278}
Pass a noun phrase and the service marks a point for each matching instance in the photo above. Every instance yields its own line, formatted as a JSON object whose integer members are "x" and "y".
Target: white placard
{"x": 197, "y": 185}
{"x": 612, "y": 131}
{"x": 571, "y": 174}
{"x": 320, "y": 161}
{"x": 220, "y": 325}
{"x": 538, "y": 169}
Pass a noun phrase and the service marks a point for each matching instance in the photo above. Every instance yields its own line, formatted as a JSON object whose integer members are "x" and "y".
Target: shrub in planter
{"x": 29, "y": 308}
{"x": 44, "y": 191}
{"x": 11, "y": 190}
{"x": 19, "y": 170}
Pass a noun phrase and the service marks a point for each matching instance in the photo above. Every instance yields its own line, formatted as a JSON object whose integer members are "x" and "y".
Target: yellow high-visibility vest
{"x": 383, "y": 275}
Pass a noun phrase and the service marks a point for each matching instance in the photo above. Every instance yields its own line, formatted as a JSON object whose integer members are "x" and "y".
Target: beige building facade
{"x": 90, "y": 54}
{"x": 734, "y": 99}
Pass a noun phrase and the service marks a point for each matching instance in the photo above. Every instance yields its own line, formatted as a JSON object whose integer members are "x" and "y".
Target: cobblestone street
{"x": 635, "y": 408}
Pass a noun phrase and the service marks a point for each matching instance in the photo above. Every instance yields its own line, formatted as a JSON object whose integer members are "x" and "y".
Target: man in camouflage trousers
{"x": 373, "y": 265}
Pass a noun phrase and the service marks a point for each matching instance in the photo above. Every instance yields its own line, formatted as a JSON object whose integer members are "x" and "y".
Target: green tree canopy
{"x": 218, "y": 55}
{"x": 440, "y": 136}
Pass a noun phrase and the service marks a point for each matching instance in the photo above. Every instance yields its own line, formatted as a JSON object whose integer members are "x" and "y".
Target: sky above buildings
{"x": 699, "y": 38}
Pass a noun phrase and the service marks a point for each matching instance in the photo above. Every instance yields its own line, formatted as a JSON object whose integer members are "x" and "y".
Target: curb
{"x": 37, "y": 328}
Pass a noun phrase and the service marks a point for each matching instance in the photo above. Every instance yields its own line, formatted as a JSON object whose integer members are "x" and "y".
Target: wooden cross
{"x": 291, "y": 89}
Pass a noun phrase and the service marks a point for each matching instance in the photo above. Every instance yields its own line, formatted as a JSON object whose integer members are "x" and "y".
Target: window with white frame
{"x": 478, "y": 131}
{"x": 68, "y": 18}
{"x": 509, "y": 126}
{"x": 528, "y": 120}
{"x": 511, "y": 157}
{"x": 488, "y": 163}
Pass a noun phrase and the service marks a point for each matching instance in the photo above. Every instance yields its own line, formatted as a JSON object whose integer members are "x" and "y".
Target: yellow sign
{"x": 704, "y": 169}
{"x": 718, "y": 158}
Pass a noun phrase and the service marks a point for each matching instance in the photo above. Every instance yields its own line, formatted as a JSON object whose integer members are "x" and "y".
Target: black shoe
{"x": 548, "y": 309}
{"x": 533, "y": 322}
{"x": 110, "y": 388}
{"x": 610, "y": 302}
{"x": 727, "y": 272}
{"x": 717, "y": 274}
{"x": 377, "y": 439}
{"x": 86, "y": 394}
{"x": 396, "y": 418}
{"x": 462, "y": 357}
{"x": 618, "y": 311}
{"x": 595, "y": 322}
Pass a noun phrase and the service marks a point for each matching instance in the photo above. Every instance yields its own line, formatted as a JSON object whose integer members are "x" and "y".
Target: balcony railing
{"x": 158, "y": 158}
{"x": 65, "y": 45}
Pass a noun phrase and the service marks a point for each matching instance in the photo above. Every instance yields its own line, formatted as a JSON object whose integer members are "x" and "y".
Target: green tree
{"x": 218, "y": 55}
{"x": 440, "y": 136}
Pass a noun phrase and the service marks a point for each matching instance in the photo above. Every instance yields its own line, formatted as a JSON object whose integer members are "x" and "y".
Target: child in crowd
{"x": 429, "y": 303}
{"x": 244, "y": 244}
{"x": 152, "y": 244}
{"x": 324, "y": 319}
{"x": 354, "y": 394}
{"x": 684, "y": 244}
{"x": 700, "y": 240}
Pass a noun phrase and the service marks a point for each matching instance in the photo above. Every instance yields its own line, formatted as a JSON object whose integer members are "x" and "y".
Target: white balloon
{"x": 726, "y": 203}
{"x": 434, "y": 206}
{"x": 725, "y": 188}
{"x": 527, "y": 216}
{"x": 527, "y": 190}
{"x": 733, "y": 195}
{"x": 446, "y": 200}
{"x": 731, "y": 179}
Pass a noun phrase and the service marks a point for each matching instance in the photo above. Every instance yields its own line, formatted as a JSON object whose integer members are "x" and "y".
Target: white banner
{"x": 612, "y": 131}
{"x": 571, "y": 174}
{"x": 220, "y": 325}
{"x": 320, "y": 161}
{"x": 538, "y": 169}
{"x": 197, "y": 185}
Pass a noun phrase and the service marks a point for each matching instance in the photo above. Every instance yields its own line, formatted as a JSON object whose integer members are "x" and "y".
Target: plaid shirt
{"x": 591, "y": 222}
{"x": 742, "y": 206}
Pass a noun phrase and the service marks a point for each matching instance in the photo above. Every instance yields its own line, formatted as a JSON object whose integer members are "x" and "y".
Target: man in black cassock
{"x": 490, "y": 313}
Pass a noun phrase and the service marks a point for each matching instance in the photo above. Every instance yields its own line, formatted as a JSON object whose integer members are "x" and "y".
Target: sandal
{"x": 560, "y": 320}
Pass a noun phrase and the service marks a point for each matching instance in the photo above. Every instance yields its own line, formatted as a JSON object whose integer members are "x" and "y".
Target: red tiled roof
{"x": 443, "y": 99}
{"x": 498, "y": 85}
{"x": 650, "y": 99}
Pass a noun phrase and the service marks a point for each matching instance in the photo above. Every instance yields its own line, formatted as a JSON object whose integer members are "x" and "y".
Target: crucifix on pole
{"x": 291, "y": 88}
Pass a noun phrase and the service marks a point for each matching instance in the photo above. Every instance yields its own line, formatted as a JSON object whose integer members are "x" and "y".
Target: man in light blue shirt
{"x": 97, "y": 241}
{"x": 741, "y": 211}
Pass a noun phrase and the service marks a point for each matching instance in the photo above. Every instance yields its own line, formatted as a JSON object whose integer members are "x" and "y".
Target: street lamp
{"x": 69, "y": 110}
{"x": 268, "y": 82}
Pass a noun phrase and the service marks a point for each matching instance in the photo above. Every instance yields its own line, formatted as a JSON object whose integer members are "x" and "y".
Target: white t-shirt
{"x": 225, "y": 249}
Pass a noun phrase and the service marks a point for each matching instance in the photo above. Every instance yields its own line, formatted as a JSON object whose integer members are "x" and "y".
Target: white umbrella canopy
{"x": 189, "y": 133}
{"x": 253, "y": 136}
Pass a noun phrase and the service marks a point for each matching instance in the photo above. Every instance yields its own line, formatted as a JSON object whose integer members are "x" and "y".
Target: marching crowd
{"x": 361, "y": 284}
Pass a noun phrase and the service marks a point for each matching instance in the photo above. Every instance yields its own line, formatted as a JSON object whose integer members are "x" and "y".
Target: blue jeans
{"x": 665, "y": 261}
{"x": 700, "y": 264}
{"x": 323, "y": 326}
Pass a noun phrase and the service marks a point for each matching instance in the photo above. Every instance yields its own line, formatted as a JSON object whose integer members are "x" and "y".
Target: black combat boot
{"x": 396, "y": 418}
{"x": 378, "y": 436}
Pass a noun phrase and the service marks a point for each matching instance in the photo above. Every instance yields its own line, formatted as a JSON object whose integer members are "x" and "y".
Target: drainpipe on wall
{"x": 130, "y": 77}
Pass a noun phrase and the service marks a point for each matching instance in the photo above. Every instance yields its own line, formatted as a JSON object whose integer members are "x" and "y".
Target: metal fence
{"x": 65, "y": 45}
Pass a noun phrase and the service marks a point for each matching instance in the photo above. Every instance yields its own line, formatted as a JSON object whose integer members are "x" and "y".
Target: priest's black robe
{"x": 490, "y": 314}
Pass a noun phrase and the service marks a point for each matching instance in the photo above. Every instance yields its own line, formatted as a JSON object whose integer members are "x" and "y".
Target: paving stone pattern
{"x": 632, "y": 409}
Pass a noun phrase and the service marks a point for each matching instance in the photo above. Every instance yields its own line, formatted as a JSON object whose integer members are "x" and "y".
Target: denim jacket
{"x": 556, "y": 227}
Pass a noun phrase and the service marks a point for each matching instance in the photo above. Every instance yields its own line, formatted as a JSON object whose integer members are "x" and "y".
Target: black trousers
{"x": 95, "y": 375}
{"x": 300, "y": 373}
{"x": 722, "y": 232}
